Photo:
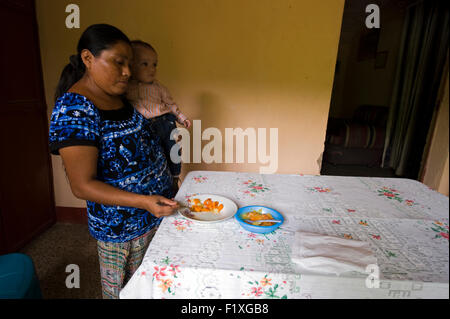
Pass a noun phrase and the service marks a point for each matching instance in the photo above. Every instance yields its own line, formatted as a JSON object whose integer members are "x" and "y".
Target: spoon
{"x": 266, "y": 221}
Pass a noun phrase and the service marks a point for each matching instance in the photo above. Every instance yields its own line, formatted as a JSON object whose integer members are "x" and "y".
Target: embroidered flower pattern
{"x": 265, "y": 281}
{"x": 174, "y": 269}
{"x": 390, "y": 254}
{"x": 441, "y": 229}
{"x": 188, "y": 197}
{"x": 256, "y": 291}
{"x": 393, "y": 194}
{"x": 319, "y": 189}
{"x": 159, "y": 272}
{"x": 166, "y": 275}
{"x": 177, "y": 222}
{"x": 264, "y": 287}
{"x": 182, "y": 225}
{"x": 390, "y": 193}
{"x": 409, "y": 202}
{"x": 254, "y": 188}
{"x": 165, "y": 285}
{"x": 200, "y": 179}
{"x": 259, "y": 238}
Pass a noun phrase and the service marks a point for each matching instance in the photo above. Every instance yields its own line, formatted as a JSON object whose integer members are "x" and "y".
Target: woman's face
{"x": 110, "y": 70}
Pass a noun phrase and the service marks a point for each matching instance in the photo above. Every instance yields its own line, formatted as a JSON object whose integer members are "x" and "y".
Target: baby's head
{"x": 145, "y": 61}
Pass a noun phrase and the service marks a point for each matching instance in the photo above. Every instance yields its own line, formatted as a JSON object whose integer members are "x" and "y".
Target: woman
{"x": 111, "y": 159}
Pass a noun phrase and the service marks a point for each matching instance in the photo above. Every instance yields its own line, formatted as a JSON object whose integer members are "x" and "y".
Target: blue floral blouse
{"x": 129, "y": 158}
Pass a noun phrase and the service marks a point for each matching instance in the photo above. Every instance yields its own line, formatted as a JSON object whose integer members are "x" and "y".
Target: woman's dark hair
{"x": 95, "y": 38}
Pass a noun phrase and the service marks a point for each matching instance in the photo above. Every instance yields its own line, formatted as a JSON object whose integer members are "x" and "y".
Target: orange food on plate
{"x": 207, "y": 206}
{"x": 255, "y": 215}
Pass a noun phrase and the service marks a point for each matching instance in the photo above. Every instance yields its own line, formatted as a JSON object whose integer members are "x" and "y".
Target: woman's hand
{"x": 159, "y": 205}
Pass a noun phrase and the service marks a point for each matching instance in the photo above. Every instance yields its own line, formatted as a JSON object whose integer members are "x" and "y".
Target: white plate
{"x": 228, "y": 210}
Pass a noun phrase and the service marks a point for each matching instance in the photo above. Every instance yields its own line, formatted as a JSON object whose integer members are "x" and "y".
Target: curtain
{"x": 421, "y": 60}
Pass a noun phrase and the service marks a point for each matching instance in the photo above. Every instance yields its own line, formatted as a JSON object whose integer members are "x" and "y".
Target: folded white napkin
{"x": 331, "y": 255}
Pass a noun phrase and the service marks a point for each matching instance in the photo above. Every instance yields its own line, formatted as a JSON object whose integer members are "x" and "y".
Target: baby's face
{"x": 144, "y": 65}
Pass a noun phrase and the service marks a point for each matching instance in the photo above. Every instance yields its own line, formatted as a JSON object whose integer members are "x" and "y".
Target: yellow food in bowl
{"x": 253, "y": 217}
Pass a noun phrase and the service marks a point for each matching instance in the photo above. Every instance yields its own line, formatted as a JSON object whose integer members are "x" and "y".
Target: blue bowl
{"x": 255, "y": 228}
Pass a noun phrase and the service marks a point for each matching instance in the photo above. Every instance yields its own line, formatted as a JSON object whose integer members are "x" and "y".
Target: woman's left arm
{"x": 80, "y": 162}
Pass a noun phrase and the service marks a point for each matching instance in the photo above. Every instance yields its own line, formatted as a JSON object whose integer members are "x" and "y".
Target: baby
{"x": 153, "y": 100}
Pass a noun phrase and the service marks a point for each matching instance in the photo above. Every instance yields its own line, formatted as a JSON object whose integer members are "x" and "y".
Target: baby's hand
{"x": 187, "y": 123}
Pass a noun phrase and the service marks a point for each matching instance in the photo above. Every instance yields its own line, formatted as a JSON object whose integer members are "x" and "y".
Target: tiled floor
{"x": 58, "y": 247}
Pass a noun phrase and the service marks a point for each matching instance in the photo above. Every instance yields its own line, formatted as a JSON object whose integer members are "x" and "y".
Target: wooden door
{"x": 26, "y": 184}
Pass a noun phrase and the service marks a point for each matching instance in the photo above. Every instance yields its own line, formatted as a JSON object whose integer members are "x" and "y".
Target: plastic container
{"x": 254, "y": 228}
{"x": 18, "y": 278}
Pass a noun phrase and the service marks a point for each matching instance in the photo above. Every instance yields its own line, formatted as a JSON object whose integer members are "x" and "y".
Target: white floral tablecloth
{"x": 405, "y": 222}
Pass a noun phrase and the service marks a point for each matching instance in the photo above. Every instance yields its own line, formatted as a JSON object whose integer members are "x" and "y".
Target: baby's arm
{"x": 173, "y": 107}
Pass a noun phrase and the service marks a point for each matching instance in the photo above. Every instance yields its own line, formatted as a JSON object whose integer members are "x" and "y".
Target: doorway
{"x": 374, "y": 88}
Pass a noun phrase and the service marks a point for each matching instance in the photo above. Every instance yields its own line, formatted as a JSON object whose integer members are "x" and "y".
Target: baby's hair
{"x": 143, "y": 44}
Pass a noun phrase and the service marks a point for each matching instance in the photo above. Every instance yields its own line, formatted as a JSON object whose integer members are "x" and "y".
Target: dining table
{"x": 405, "y": 223}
